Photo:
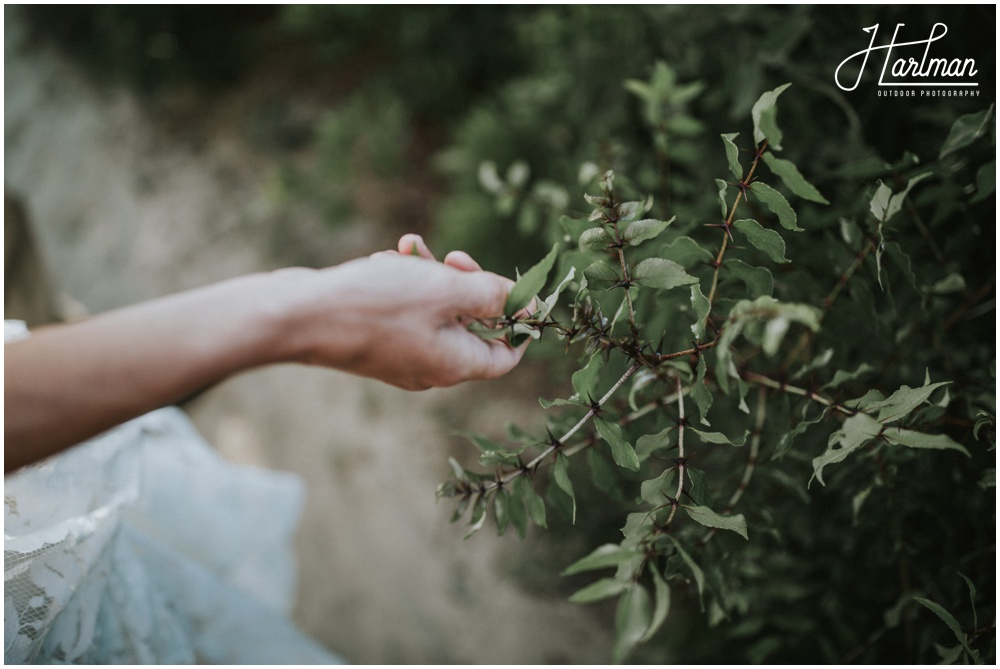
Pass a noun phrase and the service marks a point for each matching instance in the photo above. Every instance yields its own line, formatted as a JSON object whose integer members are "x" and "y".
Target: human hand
{"x": 400, "y": 317}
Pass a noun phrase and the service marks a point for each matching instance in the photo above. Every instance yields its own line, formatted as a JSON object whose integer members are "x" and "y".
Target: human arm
{"x": 390, "y": 317}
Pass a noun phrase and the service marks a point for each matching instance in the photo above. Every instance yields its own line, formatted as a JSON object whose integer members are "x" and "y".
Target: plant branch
{"x": 680, "y": 455}
{"x": 569, "y": 433}
{"x": 751, "y": 466}
{"x": 727, "y": 226}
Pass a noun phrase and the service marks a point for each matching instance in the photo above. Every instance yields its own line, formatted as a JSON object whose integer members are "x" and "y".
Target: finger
{"x": 474, "y": 358}
{"x": 480, "y": 294}
{"x": 412, "y": 244}
{"x": 462, "y": 261}
{"x": 384, "y": 254}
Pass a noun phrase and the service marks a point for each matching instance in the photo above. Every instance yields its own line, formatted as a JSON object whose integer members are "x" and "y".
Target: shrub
{"x": 787, "y": 411}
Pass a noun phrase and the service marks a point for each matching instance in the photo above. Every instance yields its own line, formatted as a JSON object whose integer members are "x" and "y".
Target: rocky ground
{"x": 131, "y": 200}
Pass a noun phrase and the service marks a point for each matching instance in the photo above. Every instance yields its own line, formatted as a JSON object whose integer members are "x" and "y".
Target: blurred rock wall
{"x": 126, "y": 207}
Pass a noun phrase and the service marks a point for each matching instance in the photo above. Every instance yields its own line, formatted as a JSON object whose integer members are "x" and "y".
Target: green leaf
{"x": 856, "y": 431}
{"x": 720, "y": 438}
{"x": 515, "y": 511}
{"x": 709, "y": 518}
{"x": 722, "y": 186}
{"x": 949, "y": 655}
{"x": 699, "y": 392}
{"x": 701, "y": 308}
{"x": 758, "y": 280}
{"x": 649, "y": 443}
{"x": 584, "y": 380}
{"x": 885, "y": 204}
{"x": 661, "y": 273}
{"x": 532, "y": 501}
{"x": 879, "y": 204}
{"x": 622, "y": 452}
{"x": 560, "y": 472}
{"x": 793, "y": 179}
{"x": 652, "y": 491}
{"x": 768, "y": 241}
{"x": 966, "y": 129}
{"x": 764, "y": 114}
{"x": 972, "y": 599}
{"x": 550, "y": 301}
{"x": 500, "y": 503}
{"x": 595, "y": 239}
{"x": 986, "y": 181}
{"x": 777, "y": 316}
{"x": 499, "y": 457}
{"x": 598, "y": 590}
{"x": 628, "y": 211}
{"x": 648, "y": 228}
{"x": 602, "y": 557}
{"x": 686, "y": 252}
{"x": 662, "y": 595}
{"x": 903, "y": 401}
{"x": 558, "y": 402}
{"x": 842, "y": 377}
{"x": 631, "y": 621}
{"x": 778, "y": 205}
{"x": 478, "y": 515}
{"x": 948, "y": 619}
{"x": 530, "y": 283}
{"x": 602, "y": 274}
{"x": 699, "y": 576}
{"x": 914, "y": 439}
{"x": 733, "y": 155}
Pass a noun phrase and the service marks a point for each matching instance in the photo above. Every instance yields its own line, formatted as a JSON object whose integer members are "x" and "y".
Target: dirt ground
{"x": 127, "y": 208}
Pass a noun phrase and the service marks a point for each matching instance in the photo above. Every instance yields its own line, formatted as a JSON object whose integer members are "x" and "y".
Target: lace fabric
{"x": 143, "y": 545}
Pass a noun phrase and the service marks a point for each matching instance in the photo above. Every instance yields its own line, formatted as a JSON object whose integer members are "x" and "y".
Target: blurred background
{"x": 150, "y": 149}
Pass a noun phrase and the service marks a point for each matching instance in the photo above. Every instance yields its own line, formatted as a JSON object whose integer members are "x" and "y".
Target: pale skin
{"x": 396, "y": 316}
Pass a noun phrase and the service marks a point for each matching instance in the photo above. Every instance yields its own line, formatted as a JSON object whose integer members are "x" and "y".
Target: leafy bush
{"x": 788, "y": 413}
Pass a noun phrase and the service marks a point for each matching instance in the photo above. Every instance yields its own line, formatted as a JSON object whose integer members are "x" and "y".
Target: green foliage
{"x": 724, "y": 366}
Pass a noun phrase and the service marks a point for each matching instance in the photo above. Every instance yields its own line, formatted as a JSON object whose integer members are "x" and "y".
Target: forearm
{"x": 393, "y": 318}
{"x": 65, "y": 384}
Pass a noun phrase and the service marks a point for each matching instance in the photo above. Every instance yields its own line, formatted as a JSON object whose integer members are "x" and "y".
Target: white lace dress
{"x": 142, "y": 545}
